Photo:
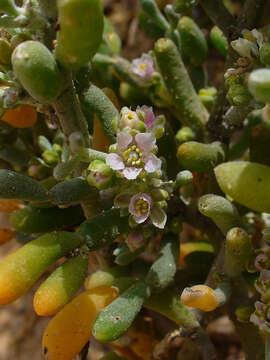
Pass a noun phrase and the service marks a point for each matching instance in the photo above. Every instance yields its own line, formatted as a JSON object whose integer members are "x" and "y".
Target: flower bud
{"x": 238, "y": 95}
{"x": 51, "y": 157}
{"x": 185, "y": 134}
{"x": 259, "y": 85}
{"x": 159, "y": 194}
{"x": 100, "y": 175}
{"x": 184, "y": 177}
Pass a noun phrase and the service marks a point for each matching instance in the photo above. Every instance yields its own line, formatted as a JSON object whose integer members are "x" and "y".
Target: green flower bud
{"x": 100, "y": 175}
{"x": 208, "y": 97}
{"x": 185, "y": 134}
{"x": 238, "y": 95}
{"x": 159, "y": 194}
{"x": 184, "y": 177}
{"x": 259, "y": 85}
{"x": 51, "y": 157}
{"x": 264, "y": 53}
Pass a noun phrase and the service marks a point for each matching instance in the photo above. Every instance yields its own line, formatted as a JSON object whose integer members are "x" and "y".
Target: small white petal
{"x": 115, "y": 162}
{"x": 145, "y": 141}
{"x": 152, "y": 163}
{"x": 123, "y": 140}
{"x": 131, "y": 173}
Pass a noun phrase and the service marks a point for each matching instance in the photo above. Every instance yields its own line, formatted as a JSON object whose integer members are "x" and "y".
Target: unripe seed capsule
{"x": 246, "y": 182}
{"x": 71, "y": 328}
{"x": 37, "y": 70}
{"x": 201, "y": 297}
{"x": 59, "y": 288}
{"x": 20, "y": 270}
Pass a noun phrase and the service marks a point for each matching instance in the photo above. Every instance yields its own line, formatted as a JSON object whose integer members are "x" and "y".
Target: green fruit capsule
{"x": 192, "y": 40}
{"x": 246, "y": 183}
{"x": 34, "y": 220}
{"x": 80, "y": 35}
{"x": 195, "y": 156}
{"x": 60, "y": 287}
{"x": 112, "y": 322}
{"x": 17, "y": 186}
{"x": 20, "y": 270}
{"x": 259, "y": 85}
{"x": 161, "y": 273}
{"x": 37, "y": 70}
{"x": 220, "y": 210}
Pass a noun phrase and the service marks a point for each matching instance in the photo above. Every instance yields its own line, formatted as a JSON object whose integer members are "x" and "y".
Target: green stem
{"x": 69, "y": 113}
{"x": 71, "y": 119}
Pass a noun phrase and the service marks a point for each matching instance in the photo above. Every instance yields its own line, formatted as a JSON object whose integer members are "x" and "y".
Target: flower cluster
{"x": 139, "y": 189}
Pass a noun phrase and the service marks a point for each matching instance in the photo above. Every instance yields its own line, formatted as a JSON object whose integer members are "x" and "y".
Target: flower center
{"x": 130, "y": 116}
{"x": 142, "y": 67}
{"x": 141, "y": 207}
{"x": 133, "y": 156}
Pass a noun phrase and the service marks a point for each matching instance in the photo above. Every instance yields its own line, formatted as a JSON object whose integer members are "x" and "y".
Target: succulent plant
{"x": 106, "y": 177}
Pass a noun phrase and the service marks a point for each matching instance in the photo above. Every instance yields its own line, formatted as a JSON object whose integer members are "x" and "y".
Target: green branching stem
{"x": 71, "y": 119}
{"x": 69, "y": 112}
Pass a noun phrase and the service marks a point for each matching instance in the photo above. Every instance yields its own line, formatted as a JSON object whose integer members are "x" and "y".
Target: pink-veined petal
{"x": 123, "y": 140}
{"x": 131, "y": 173}
{"x": 145, "y": 141}
{"x": 115, "y": 162}
{"x": 152, "y": 163}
